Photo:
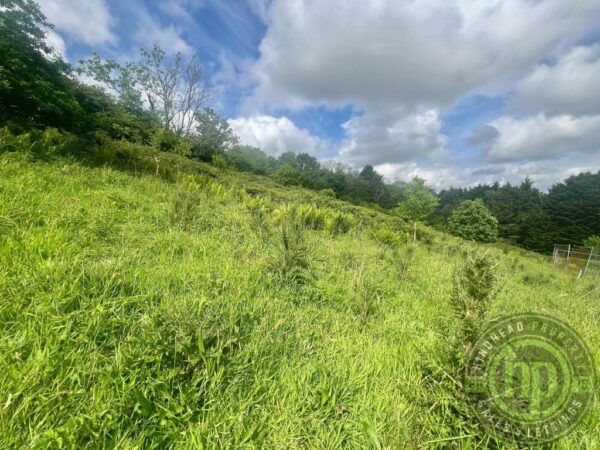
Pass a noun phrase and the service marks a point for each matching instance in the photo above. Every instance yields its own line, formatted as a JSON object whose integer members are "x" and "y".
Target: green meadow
{"x": 188, "y": 311}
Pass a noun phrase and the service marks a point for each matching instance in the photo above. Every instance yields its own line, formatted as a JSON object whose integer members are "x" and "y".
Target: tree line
{"x": 162, "y": 101}
{"x": 568, "y": 213}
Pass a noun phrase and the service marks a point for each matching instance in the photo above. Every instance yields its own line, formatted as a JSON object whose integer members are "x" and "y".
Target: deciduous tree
{"x": 171, "y": 88}
{"x": 474, "y": 222}
{"x": 34, "y": 87}
{"x": 417, "y": 203}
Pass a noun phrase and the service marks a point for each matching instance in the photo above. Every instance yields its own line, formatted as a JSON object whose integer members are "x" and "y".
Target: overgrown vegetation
{"x": 473, "y": 221}
{"x": 151, "y": 296}
{"x": 530, "y": 218}
{"x": 161, "y": 101}
{"x": 474, "y": 286}
{"x": 182, "y": 310}
{"x": 593, "y": 241}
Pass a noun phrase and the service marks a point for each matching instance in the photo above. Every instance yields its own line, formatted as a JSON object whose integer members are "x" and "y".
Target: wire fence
{"x": 581, "y": 261}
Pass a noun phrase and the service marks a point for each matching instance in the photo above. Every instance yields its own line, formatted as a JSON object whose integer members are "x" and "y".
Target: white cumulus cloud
{"x": 86, "y": 21}
{"x": 382, "y": 51}
{"x": 275, "y": 135}
{"x": 540, "y": 137}
{"x": 568, "y": 87}
{"x": 393, "y": 136}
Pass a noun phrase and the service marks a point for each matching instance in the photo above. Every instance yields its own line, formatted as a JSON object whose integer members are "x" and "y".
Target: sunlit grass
{"x": 142, "y": 313}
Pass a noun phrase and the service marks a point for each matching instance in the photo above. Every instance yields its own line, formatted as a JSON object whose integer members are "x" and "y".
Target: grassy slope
{"x": 131, "y": 315}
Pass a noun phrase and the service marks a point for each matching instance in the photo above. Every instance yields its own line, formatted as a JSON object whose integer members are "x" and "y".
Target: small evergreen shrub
{"x": 328, "y": 192}
{"x": 471, "y": 220}
{"x": 474, "y": 286}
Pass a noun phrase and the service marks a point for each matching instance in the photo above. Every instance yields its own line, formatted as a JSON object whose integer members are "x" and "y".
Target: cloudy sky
{"x": 456, "y": 91}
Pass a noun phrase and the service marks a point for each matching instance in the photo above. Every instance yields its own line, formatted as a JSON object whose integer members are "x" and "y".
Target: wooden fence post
{"x": 588, "y": 262}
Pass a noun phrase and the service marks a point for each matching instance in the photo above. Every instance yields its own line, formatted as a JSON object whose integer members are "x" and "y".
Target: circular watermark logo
{"x": 530, "y": 379}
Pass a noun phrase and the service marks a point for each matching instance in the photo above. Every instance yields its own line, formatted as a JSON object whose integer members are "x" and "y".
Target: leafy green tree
{"x": 521, "y": 210}
{"x": 214, "y": 135}
{"x": 307, "y": 163}
{"x": 34, "y": 87}
{"x": 364, "y": 187}
{"x": 473, "y": 221}
{"x": 123, "y": 80}
{"x": 328, "y": 192}
{"x": 288, "y": 175}
{"x": 168, "y": 141}
{"x": 310, "y": 171}
{"x": 288, "y": 159}
{"x": 250, "y": 159}
{"x": 593, "y": 241}
{"x": 369, "y": 185}
{"x": 394, "y": 193}
{"x": 104, "y": 116}
{"x": 449, "y": 199}
{"x": 219, "y": 160}
{"x": 335, "y": 176}
{"x": 417, "y": 202}
{"x": 307, "y": 172}
{"x": 171, "y": 88}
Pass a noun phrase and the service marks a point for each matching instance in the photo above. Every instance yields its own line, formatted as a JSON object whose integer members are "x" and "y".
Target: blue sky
{"x": 456, "y": 91}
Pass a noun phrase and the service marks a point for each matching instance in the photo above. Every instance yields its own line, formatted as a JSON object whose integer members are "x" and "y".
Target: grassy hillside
{"x": 140, "y": 311}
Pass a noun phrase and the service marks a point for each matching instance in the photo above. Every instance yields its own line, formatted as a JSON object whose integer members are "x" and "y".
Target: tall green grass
{"x": 209, "y": 310}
